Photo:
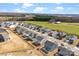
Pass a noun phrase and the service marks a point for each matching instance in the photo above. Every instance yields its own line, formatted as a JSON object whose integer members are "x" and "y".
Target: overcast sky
{"x": 53, "y": 8}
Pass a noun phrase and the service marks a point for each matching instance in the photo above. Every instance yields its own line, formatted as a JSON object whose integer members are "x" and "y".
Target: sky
{"x": 47, "y": 8}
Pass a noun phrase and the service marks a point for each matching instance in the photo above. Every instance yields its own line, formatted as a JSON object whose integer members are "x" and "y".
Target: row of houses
{"x": 4, "y": 35}
{"x": 8, "y": 24}
{"x": 52, "y": 33}
{"x": 46, "y": 37}
{"x": 40, "y": 39}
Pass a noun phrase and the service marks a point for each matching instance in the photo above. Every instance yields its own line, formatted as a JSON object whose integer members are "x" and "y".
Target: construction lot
{"x": 17, "y": 46}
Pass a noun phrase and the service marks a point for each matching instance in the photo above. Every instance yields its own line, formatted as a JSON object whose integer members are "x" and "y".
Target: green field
{"x": 71, "y": 28}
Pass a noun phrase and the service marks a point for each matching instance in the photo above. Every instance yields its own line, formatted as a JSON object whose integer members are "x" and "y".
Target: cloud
{"x": 15, "y": 3}
{"x": 15, "y": 10}
{"x": 69, "y": 8}
{"x": 39, "y": 9}
{"x": 53, "y": 10}
{"x": 27, "y": 5}
{"x": 19, "y": 10}
{"x": 58, "y": 3}
{"x": 59, "y": 8}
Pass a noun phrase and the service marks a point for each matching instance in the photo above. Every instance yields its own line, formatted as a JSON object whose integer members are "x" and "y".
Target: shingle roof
{"x": 2, "y": 30}
{"x": 64, "y": 51}
{"x": 1, "y": 38}
{"x": 49, "y": 46}
{"x": 39, "y": 38}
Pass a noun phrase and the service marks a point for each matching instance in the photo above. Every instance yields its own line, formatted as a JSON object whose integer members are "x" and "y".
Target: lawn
{"x": 71, "y": 28}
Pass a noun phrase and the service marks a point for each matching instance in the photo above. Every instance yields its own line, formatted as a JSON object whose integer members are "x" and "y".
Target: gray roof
{"x": 32, "y": 36}
{"x": 49, "y": 46}
{"x": 5, "y": 36}
{"x": 1, "y": 38}
{"x": 39, "y": 38}
{"x": 64, "y": 51}
{"x": 2, "y": 30}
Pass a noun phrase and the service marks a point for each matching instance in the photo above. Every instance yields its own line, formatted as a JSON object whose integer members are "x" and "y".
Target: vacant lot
{"x": 14, "y": 44}
{"x": 72, "y": 28}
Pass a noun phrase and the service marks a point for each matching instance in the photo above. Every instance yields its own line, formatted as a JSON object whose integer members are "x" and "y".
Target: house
{"x": 49, "y": 46}
{"x": 30, "y": 26}
{"x": 9, "y": 24}
{"x": 54, "y": 34}
{"x": 6, "y": 37}
{"x": 33, "y": 27}
{"x": 54, "y": 21}
{"x": 2, "y": 30}
{"x": 19, "y": 30}
{"x": 60, "y": 35}
{"x": 1, "y": 38}
{"x": 43, "y": 30}
{"x": 77, "y": 45}
{"x": 57, "y": 34}
{"x": 70, "y": 39}
{"x": 57, "y": 22}
{"x": 3, "y": 35}
{"x": 38, "y": 40}
{"x": 31, "y": 36}
{"x": 62, "y": 51}
{"x": 3, "y": 24}
{"x": 26, "y": 33}
{"x": 13, "y": 24}
{"x": 48, "y": 30}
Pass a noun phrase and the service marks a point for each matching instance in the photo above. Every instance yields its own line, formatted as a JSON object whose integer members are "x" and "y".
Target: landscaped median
{"x": 65, "y": 27}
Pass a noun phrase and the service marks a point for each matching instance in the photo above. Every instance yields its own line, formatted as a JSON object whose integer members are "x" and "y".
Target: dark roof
{"x": 64, "y": 51}
{"x": 71, "y": 37}
{"x": 1, "y": 38}
{"x": 5, "y": 36}
{"x": 32, "y": 35}
{"x": 2, "y": 30}
{"x": 39, "y": 38}
{"x": 49, "y": 46}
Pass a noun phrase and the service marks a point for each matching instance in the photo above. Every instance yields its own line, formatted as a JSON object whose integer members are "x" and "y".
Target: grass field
{"x": 71, "y": 28}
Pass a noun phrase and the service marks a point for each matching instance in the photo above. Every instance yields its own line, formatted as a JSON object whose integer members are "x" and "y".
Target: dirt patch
{"x": 14, "y": 44}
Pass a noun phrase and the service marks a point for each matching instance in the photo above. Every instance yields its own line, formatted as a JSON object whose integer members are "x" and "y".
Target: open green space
{"x": 70, "y": 28}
